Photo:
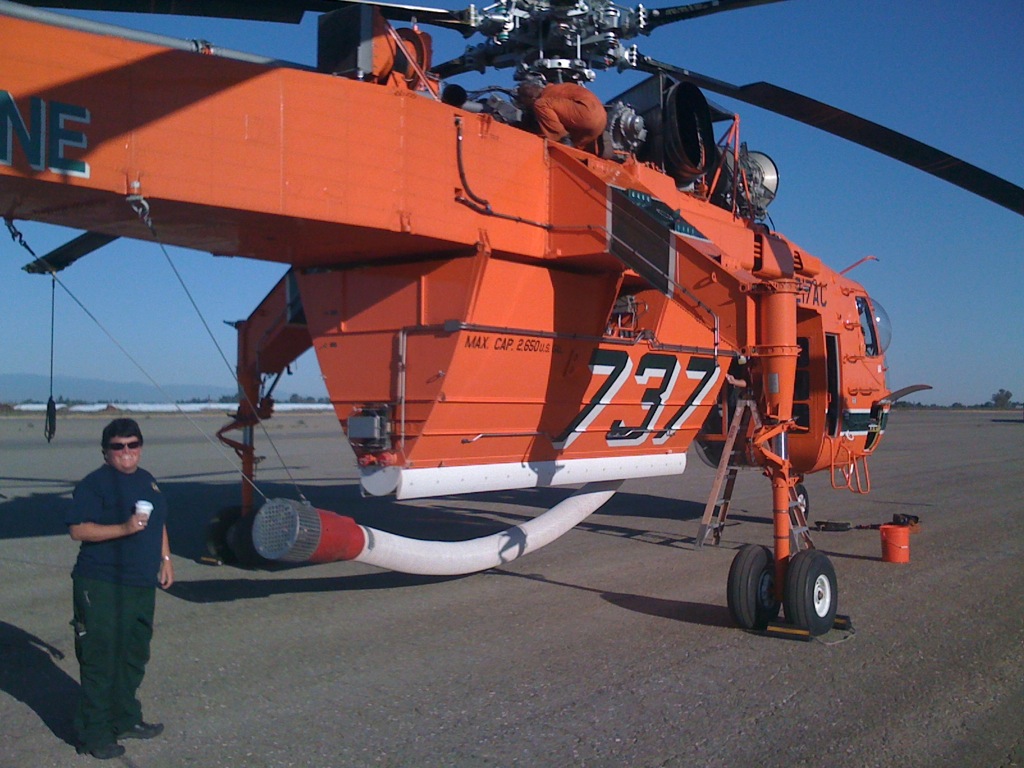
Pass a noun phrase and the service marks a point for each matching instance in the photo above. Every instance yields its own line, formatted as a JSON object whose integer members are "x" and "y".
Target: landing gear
{"x": 751, "y": 590}
{"x": 811, "y": 595}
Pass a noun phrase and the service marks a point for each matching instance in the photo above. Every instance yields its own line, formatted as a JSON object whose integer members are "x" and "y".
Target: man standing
{"x": 565, "y": 111}
{"x": 124, "y": 556}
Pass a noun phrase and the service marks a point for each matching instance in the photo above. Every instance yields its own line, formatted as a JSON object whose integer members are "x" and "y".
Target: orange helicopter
{"x": 564, "y": 317}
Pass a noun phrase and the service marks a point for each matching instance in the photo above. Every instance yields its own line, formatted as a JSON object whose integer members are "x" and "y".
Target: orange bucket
{"x": 895, "y": 543}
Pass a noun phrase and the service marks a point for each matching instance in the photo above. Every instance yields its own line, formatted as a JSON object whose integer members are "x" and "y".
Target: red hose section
{"x": 341, "y": 538}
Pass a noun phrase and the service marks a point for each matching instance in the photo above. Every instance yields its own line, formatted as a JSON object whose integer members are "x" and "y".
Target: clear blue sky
{"x": 951, "y": 265}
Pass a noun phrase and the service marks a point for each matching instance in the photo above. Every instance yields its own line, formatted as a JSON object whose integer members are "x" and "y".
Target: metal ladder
{"x": 725, "y": 479}
{"x": 799, "y": 531}
{"x": 720, "y": 497}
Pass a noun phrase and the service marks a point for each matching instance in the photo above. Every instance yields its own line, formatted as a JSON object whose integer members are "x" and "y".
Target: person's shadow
{"x": 29, "y": 673}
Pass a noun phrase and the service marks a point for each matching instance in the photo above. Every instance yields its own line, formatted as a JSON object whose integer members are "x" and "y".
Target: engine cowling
{"x": 689, "y": 141}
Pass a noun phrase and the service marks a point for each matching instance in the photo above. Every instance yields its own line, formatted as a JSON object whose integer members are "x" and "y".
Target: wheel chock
{"x": 784, "y": 631}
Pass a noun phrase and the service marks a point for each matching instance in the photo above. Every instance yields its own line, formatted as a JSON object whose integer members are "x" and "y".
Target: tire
{"x": 229, "y": 539}
{"x": 239, "y": 541}
{"x": 217, "y": 534}
{"x": 751, "y": 588}
{"x": 811, "y": 596}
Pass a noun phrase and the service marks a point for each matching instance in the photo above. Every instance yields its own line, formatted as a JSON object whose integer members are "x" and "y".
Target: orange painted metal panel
{"x": 295, "y": 148}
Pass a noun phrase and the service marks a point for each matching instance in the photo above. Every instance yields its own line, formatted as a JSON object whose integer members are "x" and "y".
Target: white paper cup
{"x": 143, "y": 508}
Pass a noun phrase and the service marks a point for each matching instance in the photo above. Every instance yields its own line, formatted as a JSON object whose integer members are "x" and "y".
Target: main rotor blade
{"x": 257, "y": 10}
{"x": 460, "y": 20}
{"x": 227, "y": 9}
{"x": 860, "y": 131}
{"x": 658, "y": 17}
{"x": 69, "y": 253}
{"x": 452, "y": 67}
{"x": 892, "y": 397}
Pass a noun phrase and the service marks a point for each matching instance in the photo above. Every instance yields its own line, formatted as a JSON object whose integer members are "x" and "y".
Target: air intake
{"x": 294, "y": 532}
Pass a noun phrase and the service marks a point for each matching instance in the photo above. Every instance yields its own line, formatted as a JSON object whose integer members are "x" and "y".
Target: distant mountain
{"x": 22, "y": 387}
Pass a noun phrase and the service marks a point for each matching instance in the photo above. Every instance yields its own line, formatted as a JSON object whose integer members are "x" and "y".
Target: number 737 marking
{"x": 616, "y": 366}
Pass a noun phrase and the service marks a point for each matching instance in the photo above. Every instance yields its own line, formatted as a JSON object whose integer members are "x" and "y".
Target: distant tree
{"x": 1002, "y": 398}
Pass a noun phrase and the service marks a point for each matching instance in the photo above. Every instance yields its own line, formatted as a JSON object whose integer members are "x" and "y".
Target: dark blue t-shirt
{"x": 108, "y": 497}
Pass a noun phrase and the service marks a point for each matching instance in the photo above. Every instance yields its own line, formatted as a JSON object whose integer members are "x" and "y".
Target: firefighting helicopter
{"x": 565, "y": 317}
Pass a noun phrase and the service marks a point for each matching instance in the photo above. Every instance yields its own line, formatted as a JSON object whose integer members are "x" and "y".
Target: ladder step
{"x": 729, "y": 465}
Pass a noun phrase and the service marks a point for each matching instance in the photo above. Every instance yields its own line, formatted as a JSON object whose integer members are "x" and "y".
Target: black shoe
{"x": 105, "y": 752}
{"x": 142, "y": 730}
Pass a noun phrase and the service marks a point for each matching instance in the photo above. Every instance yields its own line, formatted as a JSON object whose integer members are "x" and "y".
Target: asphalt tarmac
{"x": 613, "y": 646}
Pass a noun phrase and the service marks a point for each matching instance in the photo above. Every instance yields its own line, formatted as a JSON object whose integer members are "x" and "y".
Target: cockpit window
{"x": 874, "y": 322}
{"x": 883, "y": 327}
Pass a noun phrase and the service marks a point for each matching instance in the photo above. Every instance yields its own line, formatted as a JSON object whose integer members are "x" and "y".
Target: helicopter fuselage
{"x": 477, "y": 297}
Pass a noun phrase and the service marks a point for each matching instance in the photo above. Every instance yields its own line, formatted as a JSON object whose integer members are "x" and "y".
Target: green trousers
{"x": 113, "y": 628}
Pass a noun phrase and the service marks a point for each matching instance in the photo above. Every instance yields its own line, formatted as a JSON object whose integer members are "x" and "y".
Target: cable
{"x": 50, "y": 429}
{"x": 231, "y": 370}
{"x": 140, "y": 205}
{"x": 18, "y": 238}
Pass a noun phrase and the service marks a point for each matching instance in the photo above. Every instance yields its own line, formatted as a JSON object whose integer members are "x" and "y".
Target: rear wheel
{"x": 751, "y": 588}
{"x": 217, "y": 534}
{"x": 229, "y": 539}
{"x": 811, "y": 596}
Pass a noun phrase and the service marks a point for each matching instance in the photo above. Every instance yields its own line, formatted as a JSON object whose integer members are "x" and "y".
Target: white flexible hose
{"x": 452, "y": 558}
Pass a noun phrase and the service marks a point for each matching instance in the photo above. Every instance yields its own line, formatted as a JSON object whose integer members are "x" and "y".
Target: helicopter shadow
{"x": 684, "y": 611}
{"x": 444, "y": 519}
{"x": 232, "y": 589}
{"x": 451, "y": 519}
{"x": 30, "y": 674}
{"x": 193, "y": 503}
{"x": 439, "y": 519}
{"x": 39, "y": 514}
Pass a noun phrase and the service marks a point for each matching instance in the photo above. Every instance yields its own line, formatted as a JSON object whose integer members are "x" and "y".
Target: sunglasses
{"x": 132, "y": 446}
